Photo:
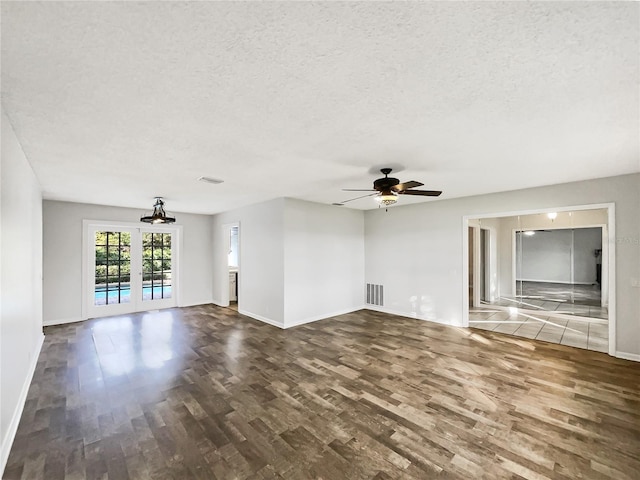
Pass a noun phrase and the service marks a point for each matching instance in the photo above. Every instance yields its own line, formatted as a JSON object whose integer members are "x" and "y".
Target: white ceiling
{"x": 117, "y": 102}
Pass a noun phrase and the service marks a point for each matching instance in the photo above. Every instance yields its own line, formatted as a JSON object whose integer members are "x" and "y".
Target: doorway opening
{"x": 233, "y": 265}
{"x": 229, "y": 274}
{"x": 545, "y": 275}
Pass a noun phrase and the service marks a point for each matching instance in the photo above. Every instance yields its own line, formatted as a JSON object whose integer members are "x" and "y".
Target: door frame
{"x": 88, "y": 269}
{"x": 611, "y": 248}
{"x": 490, "y": 268}
{"x": 223, "y": 273}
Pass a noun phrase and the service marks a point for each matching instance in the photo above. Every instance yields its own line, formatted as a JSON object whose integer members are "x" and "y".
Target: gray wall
{"x": 564, "y": 256}
{"x": 20, "y": 283}
{"x": 62, "y": 230}
{"x": 422, "y": 268}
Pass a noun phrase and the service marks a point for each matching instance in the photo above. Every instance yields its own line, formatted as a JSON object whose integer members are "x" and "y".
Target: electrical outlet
{"x": 635, "y": 282}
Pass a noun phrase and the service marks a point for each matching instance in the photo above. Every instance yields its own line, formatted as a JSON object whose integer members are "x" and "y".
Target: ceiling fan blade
{"x": 357, "y": 198}
{"x": 422, "y": 193}
{"x": 407, "y": 185}
{"x": 358, "y": 190}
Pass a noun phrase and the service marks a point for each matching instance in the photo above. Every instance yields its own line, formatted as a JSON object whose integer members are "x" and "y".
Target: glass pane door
{"x": 157, "y": 269}
{"x": 156, "y": 266}
{"x": 129, "y": 269}
{"x": 112, "y": 268}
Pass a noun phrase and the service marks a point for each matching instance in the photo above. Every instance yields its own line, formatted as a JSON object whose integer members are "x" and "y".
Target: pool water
{"x": 125, "y": 294}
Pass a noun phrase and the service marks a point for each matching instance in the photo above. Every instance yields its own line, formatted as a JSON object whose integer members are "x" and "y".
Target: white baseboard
{"x": 61, "y": 321}
{"x": 377, "y": 308}
{"x": 200, "y": 302}
{"x": 295, "y": 323}
{"x": 628, "y": 356}
{"x": 261, "y": 318}
{"x": 7, "y": 441}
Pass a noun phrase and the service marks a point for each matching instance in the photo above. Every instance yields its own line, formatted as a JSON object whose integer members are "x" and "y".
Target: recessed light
{"x": 215, "y": 181}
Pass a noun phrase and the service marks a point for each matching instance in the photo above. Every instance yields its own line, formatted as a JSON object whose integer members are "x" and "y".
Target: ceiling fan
{"x": 388, "y": 189}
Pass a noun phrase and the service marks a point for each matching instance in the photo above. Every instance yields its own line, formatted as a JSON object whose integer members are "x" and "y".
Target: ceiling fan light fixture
{"x": 158, "y": 215}
{"x": 387, "y": 198}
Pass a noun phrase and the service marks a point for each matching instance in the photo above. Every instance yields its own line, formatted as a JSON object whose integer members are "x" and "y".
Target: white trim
{"x": 322, "y": 317}
{"x": 414, "y": 316}
{"x": 255, "y": 316}
{"x": 476, "y": 266}
{"x": 7, "y": 441}
{"x": 62, "y": 321}
{"x": 611, "y": 280}
{"x": 634, "y": 357}
{"x": 465, "y": 270}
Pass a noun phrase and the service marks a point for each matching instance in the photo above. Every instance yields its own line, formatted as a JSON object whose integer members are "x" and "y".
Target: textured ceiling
{"x": 117, "y": 102}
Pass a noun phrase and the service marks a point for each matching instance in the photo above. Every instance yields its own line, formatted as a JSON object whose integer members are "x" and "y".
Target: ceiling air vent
{"x": 215, "y": 181}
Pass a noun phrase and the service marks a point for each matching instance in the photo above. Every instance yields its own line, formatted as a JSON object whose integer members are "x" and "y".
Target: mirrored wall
{"x": 542, "y": 275}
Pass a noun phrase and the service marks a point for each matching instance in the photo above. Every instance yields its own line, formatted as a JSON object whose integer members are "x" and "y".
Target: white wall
{"x": 416, "y": 250}
{"x": 261, "y": 260}
{"x": 20, "y": 283}
{"x": 299, "y": 261}
{"x": 62, "y": 228}
{"x": 324, "y": 261}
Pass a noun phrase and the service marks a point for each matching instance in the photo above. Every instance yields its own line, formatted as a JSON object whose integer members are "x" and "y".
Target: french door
{"x": 129, "y": 269}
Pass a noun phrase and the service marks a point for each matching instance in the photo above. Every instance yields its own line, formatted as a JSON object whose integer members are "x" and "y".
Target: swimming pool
{"x": 125, "y": 294}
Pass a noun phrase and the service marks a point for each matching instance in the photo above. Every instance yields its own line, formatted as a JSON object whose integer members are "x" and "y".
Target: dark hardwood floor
{"x": 204, "y": 392}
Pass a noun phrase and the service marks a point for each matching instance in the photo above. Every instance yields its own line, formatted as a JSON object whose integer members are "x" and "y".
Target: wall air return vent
{"x": 375, "y": 294}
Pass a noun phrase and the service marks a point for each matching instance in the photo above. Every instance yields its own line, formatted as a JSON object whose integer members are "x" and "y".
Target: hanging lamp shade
{"x": 158, "y": 215}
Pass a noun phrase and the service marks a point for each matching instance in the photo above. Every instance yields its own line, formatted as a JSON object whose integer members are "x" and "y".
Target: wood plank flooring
{"x": 206, "y": 393}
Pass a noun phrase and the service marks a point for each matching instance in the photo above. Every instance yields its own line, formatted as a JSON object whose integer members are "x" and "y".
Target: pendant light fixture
{"x": 158, "y": 215}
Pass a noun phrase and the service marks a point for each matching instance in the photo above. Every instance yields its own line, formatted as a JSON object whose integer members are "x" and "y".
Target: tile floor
{"x": 590, "y": 335}
{"x": 583, "y": 300}
{"x": 551, "y": 306}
